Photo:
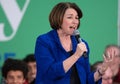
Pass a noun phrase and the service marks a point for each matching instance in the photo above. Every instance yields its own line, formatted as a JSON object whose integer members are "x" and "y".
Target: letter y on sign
{"x": 14, "y": 16}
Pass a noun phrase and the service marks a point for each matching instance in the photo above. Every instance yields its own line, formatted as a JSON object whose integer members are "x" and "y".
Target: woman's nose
{"x": 75, "y": 21}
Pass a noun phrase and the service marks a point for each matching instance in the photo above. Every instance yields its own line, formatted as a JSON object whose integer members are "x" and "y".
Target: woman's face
{"x": 70, "y": 21}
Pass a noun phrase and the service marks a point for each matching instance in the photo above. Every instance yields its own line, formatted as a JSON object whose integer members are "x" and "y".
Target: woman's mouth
{"x": 72, "y": 27}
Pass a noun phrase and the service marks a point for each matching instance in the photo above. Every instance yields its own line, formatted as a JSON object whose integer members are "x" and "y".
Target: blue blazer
{"x": 50, "y": 54}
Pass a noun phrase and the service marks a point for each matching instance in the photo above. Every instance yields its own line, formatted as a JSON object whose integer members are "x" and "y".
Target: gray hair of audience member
{"x": 112, "y": 46}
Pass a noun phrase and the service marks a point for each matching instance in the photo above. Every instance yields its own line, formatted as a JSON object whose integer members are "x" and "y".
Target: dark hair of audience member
{"x": 15, "y": 65}
{"x": 29, "y": 58}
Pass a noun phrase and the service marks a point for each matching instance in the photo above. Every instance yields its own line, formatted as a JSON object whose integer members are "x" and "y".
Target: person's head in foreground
{"x": 14, "y": 71}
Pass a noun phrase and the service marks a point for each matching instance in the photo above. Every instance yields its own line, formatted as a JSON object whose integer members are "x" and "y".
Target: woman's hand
{"x": 81, "y": 48}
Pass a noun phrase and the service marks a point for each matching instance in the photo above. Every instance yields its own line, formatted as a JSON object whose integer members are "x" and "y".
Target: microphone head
{"x": 76, "y": 32}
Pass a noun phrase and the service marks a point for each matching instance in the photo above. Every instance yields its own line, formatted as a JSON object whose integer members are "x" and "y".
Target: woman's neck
{"x": 65, "y": 40}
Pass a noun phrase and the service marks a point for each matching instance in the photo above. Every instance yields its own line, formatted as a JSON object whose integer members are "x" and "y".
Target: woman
{"x": 59, "y": 57}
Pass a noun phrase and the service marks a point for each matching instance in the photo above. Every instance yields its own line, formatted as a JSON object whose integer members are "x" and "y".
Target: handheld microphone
{"x": 78, "y": 38}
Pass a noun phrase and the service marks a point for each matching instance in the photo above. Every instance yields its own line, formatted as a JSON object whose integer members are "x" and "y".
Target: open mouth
{"x": 72, "y": 27}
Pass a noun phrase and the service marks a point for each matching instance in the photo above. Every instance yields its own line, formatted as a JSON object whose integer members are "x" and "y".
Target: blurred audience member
{"x": 14, "y": 71}
{"x": 96, "y": 65}
{"x": 112, "y": 54}
{"x": 107, "y": 77}
{"x": 30, "y": 60}
{"x": 117, "y": 78}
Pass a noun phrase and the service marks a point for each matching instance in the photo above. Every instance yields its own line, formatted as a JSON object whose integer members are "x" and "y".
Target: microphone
{"x": 78, "y": 38}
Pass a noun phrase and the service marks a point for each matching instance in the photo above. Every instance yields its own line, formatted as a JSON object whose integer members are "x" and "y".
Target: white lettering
{"x": 14, "y": 16}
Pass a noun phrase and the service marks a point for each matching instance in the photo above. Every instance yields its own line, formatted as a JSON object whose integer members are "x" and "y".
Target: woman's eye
{"x": 72, "y": 17}
{"x": 69, "y": 17}
{"x": 77, "y": 18}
